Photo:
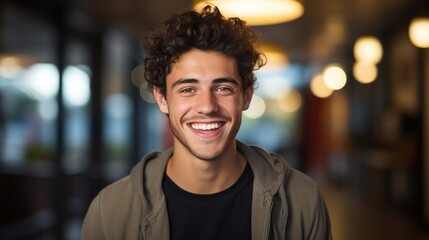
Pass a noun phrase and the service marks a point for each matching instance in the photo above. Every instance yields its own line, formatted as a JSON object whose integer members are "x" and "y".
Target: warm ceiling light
{"x": 319, "y": 88}
{"x": 368, "y": 49}
{"x": 334, "y": 77}
{"x": 257, "y": 12}
{"x": 276, "y": 56}
{"x": 365, "y": 72}
{"x": 419, "y": 32}
{"x": 290, "y": 101}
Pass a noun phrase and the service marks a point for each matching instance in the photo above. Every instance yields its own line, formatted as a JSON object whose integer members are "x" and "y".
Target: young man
{"x": 208, "y": 185}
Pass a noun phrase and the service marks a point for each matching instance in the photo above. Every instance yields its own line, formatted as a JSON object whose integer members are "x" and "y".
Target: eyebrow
{"x": 215, "y": 81}
{"x": 184, "y": 81}
{"x": 226, "y": 80}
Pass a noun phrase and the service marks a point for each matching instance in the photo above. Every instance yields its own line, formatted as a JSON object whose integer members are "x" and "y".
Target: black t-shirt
{"x": 224, "y": 215}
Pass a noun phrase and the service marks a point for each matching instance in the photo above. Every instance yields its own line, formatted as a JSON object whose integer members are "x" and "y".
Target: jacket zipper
{"x": 268, "y": 219}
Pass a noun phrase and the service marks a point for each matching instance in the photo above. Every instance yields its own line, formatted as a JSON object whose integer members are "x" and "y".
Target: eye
{"x": 187, "y": 90}
{"x": 224, "y": 89}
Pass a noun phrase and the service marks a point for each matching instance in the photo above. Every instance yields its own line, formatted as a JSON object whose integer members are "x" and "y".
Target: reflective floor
{"x": 356, "y": 218}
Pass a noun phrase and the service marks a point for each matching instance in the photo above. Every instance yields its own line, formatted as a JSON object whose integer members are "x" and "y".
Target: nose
{"x": 206, "y": 103}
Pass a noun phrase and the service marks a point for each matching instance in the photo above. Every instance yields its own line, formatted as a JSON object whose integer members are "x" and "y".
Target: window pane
{"x": 117, "y": 105}
{"x": 76, "y": 96}
{"x": 28, "y": 88}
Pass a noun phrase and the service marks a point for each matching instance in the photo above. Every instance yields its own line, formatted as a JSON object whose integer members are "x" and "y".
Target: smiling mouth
{"x": 206, "y": 126}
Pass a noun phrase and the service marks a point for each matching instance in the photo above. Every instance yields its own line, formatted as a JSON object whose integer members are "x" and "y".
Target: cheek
{"x": 234, "y": 107}
{"x": 179, "y": 109}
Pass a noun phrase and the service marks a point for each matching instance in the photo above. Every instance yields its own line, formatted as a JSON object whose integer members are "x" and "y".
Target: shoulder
{"x": 119, "y": 190}
{"x": 119, "y": 207}
{"x": 300, "y": 180}
{"x": 117, "y": 198}
{"x": 302, "y": 190}
{"x": 268, "y": 164}
{"x": 112, "y": 211}
{"x": 306, "y": 206}
{"x": 275, "y": 165}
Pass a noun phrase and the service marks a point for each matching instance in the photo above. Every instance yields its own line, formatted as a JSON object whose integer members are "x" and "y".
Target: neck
{"x": 205, "y": 176}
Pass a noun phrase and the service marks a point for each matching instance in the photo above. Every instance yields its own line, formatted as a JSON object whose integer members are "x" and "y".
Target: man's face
{"x": 204, "y": 101}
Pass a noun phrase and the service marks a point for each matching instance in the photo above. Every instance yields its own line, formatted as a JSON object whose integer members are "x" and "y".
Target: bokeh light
{"x": 365, "y": 72}
{"x": 319, "y": 88}
{"x": 290, "y": 101}
{"x": 419, "y": 32}
{"x": 334, "y": 77}
{"x": 368, "y": 49}
{"x": 256, "y": 108}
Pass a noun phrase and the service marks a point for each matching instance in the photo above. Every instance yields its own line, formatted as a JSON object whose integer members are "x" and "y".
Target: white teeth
{"x": 200, "y": 126}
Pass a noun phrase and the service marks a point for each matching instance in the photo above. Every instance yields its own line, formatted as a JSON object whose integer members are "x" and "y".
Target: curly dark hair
{"x": 207, "y": 30}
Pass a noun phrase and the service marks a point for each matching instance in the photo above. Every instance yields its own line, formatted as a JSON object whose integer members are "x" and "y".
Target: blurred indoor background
{"x": 344, "y": 97}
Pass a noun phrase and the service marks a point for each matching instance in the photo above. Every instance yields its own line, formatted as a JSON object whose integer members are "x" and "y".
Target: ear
{"x": 248, "y": 93}
{"x": 160, "y": 100}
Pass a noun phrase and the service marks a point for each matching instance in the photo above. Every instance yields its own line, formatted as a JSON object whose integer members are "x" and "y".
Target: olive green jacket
{"x": 286, "y": 203}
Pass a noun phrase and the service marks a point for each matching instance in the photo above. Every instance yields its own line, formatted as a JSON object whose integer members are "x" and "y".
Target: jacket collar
{"x": 147, "y": 178}
{"x": 270, "y": 172}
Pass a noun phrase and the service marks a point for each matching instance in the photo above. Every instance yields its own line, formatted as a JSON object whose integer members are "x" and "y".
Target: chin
{"x": 207, "y": 153}
{"x": 203, "y": 155}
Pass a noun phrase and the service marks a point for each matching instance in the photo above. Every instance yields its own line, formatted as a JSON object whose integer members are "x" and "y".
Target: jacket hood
{"x": 147, "y": 176}
{"x": 270, "y": 172}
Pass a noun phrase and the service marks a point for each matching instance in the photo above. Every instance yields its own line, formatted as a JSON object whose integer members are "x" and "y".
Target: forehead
{"x": 203, "y": 66}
